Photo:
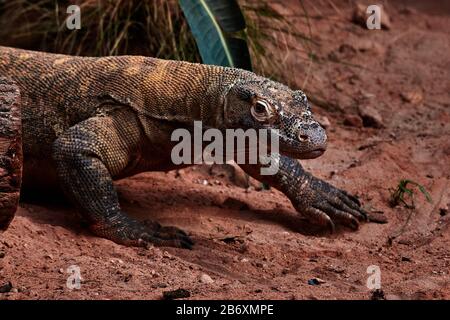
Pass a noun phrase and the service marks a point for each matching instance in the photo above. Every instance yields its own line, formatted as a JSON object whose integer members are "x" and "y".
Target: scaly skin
{"x": 89, "y": 121}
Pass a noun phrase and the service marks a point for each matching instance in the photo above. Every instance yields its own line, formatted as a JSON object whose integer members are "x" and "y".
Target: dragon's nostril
{"x": 303, "y": 137}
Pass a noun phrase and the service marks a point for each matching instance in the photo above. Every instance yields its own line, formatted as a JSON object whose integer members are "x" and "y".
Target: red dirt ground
{"x": 258, "y": 247}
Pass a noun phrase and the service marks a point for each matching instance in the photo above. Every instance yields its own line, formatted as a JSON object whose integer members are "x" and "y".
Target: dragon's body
{"x": 87, "y": 121}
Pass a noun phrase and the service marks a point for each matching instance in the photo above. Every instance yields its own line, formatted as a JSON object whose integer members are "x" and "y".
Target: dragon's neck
{"x": 184, "y": 92}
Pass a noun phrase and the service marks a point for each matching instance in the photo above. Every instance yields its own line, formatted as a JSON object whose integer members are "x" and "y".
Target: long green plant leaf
{"x": 215, "y": 25}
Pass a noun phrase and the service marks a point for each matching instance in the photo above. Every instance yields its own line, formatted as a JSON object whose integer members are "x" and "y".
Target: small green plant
{"x": 402, "y": 192}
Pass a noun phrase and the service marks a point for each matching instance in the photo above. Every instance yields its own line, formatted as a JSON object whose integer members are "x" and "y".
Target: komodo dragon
{"x": 88, "y": 121}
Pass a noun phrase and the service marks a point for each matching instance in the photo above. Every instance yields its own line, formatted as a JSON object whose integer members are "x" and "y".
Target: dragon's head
{"x": 259, "y": 103}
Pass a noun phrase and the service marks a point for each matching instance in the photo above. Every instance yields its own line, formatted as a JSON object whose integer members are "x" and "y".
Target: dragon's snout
{"x": 313, "y": 139}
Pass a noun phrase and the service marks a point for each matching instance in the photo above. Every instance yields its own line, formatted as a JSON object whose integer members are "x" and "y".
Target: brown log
{"x": 10, "y": 151}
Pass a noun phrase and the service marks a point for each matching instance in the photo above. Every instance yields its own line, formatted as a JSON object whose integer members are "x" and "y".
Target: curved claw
{"x": 350, "y": 196}
{"x": 135, "y": 233}
{"x": 320, "y": 218}
{"x": 342, "y": 216}
{"x": 331, "y": 227}
{"x": 344, "y": 204}
{"x": 353, "y": 205}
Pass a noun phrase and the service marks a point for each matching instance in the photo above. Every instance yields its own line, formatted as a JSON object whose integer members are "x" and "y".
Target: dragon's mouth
{"x": 303, "y": 155}
{"x": 312, "y": 154}
{"x": 294, "y": 149}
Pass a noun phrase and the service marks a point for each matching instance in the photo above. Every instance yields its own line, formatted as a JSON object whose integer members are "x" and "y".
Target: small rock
{"x": 315, "y": 281}
{"x": 48, "y": 256}
{"x": 244, "y": 260}
{"x": 204, "y": 278}
{"x": 442, "y": 212}
{"x": 161, "y": 285}
{"x": 336, "y": 269}
{"x": 7, "y": 287}
{"x": 367, "y": 95}
{"x": 368, "y": 45}
{"x": 370, "y": 116}
{"x": 353, "y": 121}
{"x": 413, "y": 97}
{"x": 2, "y": 254}
{"x": 407, "y": 259}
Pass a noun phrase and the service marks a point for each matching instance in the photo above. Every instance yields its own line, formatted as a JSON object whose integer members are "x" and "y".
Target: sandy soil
{"x": 252, "y": 244}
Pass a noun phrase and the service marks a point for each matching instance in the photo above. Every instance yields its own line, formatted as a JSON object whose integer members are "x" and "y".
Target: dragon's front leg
{"x": 320, "y": 202}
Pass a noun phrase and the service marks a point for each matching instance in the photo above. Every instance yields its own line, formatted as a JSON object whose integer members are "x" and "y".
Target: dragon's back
{"x": 59, "y": 91}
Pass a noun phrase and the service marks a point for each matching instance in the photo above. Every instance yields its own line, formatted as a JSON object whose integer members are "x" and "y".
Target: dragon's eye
{"x": 260, "y": 107}
{"x": 263, "y": 111}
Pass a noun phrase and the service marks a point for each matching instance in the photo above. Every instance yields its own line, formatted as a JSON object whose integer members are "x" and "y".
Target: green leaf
{"x": 425, "y": 193}
{"x": 212, "y": 23}
{"x": 228, "y": 14}
{"x": 398, "y": 195}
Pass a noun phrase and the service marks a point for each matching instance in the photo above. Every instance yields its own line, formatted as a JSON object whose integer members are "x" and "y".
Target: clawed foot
{"x": 130, "y": 232}
{"x": 326, "y": 205}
